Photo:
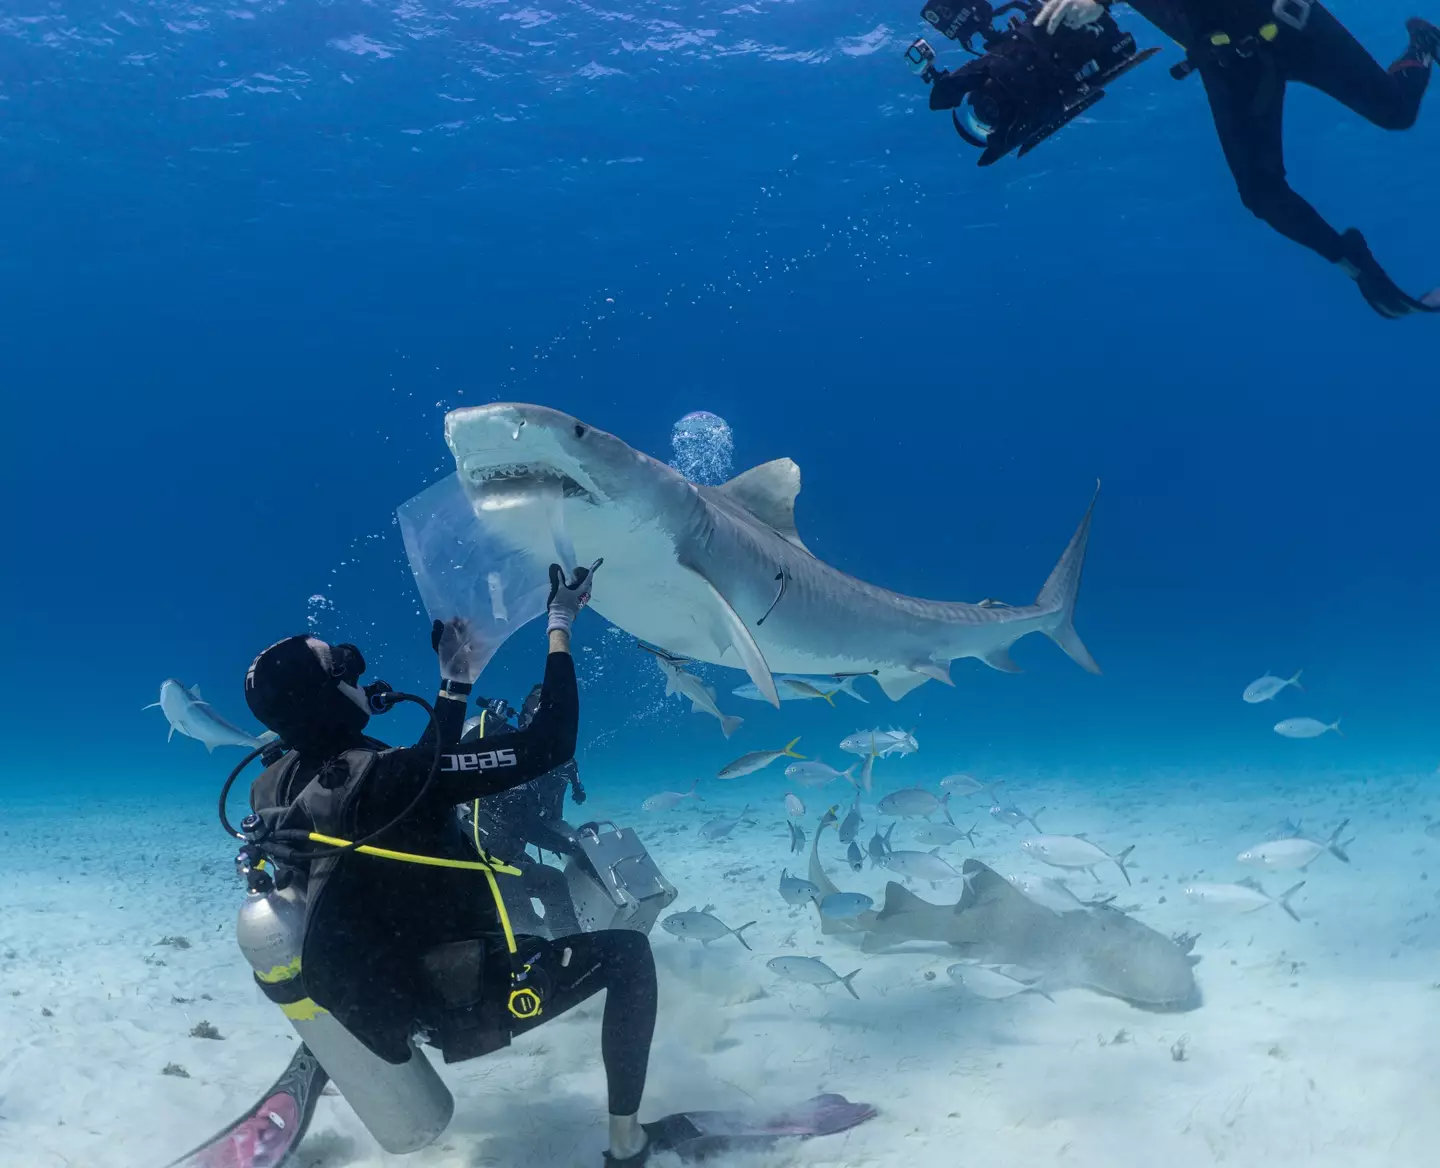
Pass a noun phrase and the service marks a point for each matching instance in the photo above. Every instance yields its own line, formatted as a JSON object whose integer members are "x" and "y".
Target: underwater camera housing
{"x": 1027, "y": 83}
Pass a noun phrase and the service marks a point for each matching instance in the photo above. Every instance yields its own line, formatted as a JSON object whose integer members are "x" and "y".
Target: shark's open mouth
{"x": 518, "y": 477}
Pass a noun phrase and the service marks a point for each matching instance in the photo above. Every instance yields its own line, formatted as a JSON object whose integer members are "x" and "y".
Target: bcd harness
{"x": 1222, "y": 47}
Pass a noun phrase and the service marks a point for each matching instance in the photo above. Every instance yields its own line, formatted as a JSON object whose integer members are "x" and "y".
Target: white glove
{"x": 1071, "y": 13}
{"x": 568, "y": 598}
{"x": 455, "y": 649}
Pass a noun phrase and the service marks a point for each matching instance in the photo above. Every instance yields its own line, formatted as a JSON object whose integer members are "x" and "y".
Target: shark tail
{"x": 1120, "y": 862}
{"x": 1336, "y": 847}
{"x": 1283, "y": 900}
{"x": 789, "y": 750}
{"x": 729, "y": 723}
{"x": 1062, "y": 589}
{"x": 846, "y": 980}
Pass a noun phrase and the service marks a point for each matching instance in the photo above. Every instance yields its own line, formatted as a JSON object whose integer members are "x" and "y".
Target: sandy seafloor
{"x": 1315, "y": 1044}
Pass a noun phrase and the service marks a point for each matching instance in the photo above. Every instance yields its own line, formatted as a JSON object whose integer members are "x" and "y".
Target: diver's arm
{"x": 544, "y": 744}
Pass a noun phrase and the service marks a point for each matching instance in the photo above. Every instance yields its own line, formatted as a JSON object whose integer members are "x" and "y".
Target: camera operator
{"x": 1246, "y": 51}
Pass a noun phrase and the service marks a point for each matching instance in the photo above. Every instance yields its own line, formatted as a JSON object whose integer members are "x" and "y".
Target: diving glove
{"x": 567, "y": 598}
{"x": 451, "y": 642}
{"x": 1379, "y": 290}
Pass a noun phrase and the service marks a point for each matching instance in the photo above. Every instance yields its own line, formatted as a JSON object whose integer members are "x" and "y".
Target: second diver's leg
{"x": 1247, "y": 100}
{"x": 618, "y": 961}
{"x": 1327, "y": 57}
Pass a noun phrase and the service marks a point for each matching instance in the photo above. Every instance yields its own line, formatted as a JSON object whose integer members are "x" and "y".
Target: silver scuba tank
{"x": 405, "y": 1107}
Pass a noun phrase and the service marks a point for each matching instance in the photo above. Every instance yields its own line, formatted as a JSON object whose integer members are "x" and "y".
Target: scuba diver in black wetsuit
{"x": 399, "y": 932}
{"x": 1246, "y": 51}
{"x": 531, "y": 814}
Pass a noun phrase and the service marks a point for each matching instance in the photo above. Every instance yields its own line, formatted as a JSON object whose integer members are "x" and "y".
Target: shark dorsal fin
{"x": 768, "y": 492}
{"x": 195, "y": 692}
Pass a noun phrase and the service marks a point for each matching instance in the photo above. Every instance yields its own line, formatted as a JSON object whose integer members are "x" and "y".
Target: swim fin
{"x": 695, "y": 1136}
{"x": 1379, "y": 290}
{"x": 268, "y": 1134}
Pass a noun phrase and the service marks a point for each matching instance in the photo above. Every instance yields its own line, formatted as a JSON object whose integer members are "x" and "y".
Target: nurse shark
{"x": 720, "y": 574}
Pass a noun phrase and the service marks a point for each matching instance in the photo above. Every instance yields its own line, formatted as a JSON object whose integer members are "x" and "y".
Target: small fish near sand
{"x": 881, "y": 742}
{"x": 793, "y": 806}
{"x": 1264, "y": 689}
{"x": 797, "y": 836}
{"x": 938, "y": 835}
{"x": 1074, "y": 851}
{"x": 963, "y": 785}
{"x": 928, "y": 866}
{"x": 669, "y": 800}
{"x": 1296, "y": 851}
{"x": 879, "y": 846}
{"x": 720, "y": 828}
{"x": 811, "y": 971}
{"x": 914, "y": 803}
{"x": 757, "y": 760}
{"x": 1306, "y": 728}
{"x": 844, "y": 906}
{"x": 1244, "y": 897}
{"x": 194, "y": 717}
{"x": 985, "y": 981}
{"x": 794, "y": 890}
{"x": 1014, "y": 816}
{"x": 814, "y": 773}
{"x": 699, "y": 925}
{"x": 855, "y": 857}
{"x": 850, "y": 828}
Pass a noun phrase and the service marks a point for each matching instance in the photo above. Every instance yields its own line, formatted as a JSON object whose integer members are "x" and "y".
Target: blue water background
{"x": 230, "y": 326}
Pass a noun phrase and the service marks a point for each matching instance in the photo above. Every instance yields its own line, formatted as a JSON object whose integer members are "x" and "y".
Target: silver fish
{"x": 720, "y": 828}
{"x": 1264, "y": 689}
{"x": 814, "y": 773}
{"x": 854, "y": 857}
{"x": 811, "y": 971}
{"x": 192, "y": 716}
{"x": 1296, "y": 852}
{"x": 985, "y": 981}
{"x": 669, "y": 800}
{"x": 851, "y": 826}
{"x": 1049, "y": 893}
{"x": 793, "y": 687}
{"x": 794, "y": 890}
{"x": 1074, "y": 851}
{"x": 940, "y": 834}
{"x": 914, "y": 803}
{"x": 702, "y": 697}
{"x": 881, "y": 742}
{"x": 1244, "y": 897}
{"x": 1015, "y": 817}
{"x": 699, "y": 925}
{"x": 757, "y": 760}
{"x": 880, "y": 846}
{"x": 844, "y": 905}
{"x": 793, "y": 805}
{"x": 1305, "y": 728}
{"x": 962, "y": 785}
{"x": 797, "y": 836}
{"x": 920, "y": 866}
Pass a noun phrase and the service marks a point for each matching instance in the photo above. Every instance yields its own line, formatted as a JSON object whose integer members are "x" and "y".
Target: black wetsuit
{"x": 1247, "y": 95}
{"x": 371, "y": 922}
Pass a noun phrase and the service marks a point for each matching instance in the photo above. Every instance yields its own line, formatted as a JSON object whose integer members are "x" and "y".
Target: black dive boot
{"x": 1379, "y": 290}
{"x": 1424, "y": 44}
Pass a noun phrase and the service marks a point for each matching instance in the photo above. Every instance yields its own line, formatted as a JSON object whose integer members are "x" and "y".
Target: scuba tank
{"x": 404, "y": 1106}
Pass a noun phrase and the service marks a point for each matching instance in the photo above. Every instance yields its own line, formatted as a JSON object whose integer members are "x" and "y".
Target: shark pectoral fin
{"x": 768, "y": 492}
{"x": 729, "y": 632}
{"x": 940, "y": 671}
{"x": 899, "y": 682}
{"x": 195, "y": 692}
{"x": 1000, "y": 659}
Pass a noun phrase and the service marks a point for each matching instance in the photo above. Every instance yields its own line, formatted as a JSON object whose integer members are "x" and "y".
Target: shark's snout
{"x": 506, "y": 450}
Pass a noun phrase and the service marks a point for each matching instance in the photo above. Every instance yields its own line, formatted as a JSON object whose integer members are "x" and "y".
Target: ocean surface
{"x": 254, "y": 253}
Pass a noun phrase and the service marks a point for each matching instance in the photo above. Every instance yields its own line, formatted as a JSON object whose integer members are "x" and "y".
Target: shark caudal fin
{"x": 1063, "y": 588}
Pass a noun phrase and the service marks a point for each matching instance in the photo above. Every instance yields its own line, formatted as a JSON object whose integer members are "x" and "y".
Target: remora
{"x": 697, "y": 569}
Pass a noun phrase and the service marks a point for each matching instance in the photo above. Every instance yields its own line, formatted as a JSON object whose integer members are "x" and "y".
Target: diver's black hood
{"x": 293, "y": 688}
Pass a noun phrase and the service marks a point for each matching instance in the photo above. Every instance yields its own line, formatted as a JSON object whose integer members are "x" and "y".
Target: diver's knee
{"x": 1265, "y": 198}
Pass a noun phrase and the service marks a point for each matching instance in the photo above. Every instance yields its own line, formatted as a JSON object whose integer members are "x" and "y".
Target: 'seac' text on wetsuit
{"x": 484, "y": 760}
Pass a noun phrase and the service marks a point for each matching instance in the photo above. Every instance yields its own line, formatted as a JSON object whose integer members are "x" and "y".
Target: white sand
{"x": 1315, "y": 1044}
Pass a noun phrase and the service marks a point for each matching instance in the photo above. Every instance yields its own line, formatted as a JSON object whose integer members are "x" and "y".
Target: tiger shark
{"x": 720, "y": 574}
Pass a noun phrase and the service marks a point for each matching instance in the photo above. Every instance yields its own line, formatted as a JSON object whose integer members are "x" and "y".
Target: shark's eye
{"x": 579, "y": 430}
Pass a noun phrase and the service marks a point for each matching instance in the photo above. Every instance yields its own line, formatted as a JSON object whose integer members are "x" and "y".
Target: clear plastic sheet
{"x": 465, "y": 566}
